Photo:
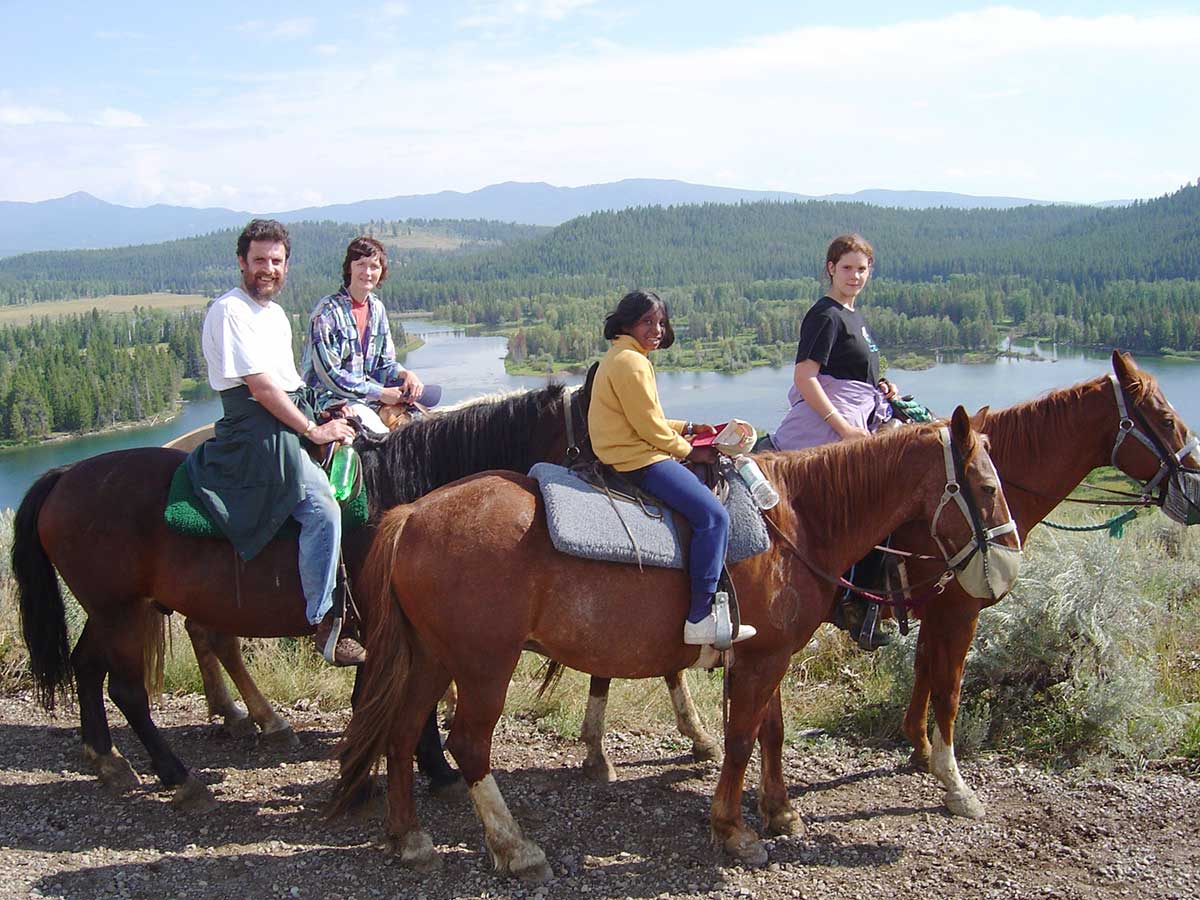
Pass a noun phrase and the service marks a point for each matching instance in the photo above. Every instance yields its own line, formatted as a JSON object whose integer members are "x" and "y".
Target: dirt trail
{"x": 875, "y": 828}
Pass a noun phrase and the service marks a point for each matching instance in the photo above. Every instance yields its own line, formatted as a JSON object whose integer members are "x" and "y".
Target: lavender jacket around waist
{"x": 855, "y": 400}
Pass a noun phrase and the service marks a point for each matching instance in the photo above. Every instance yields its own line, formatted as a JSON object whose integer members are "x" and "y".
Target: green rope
{"x": 1115, "y": 525}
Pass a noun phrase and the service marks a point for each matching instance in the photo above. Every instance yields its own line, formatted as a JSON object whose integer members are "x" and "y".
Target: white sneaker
{"x": 705, "y": 631}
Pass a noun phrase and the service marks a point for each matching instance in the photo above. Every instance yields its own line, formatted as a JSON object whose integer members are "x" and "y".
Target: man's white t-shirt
{"x": 242, "y": 337}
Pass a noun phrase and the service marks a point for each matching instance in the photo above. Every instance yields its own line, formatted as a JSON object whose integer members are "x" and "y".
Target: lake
{"x": 470, "y": 366}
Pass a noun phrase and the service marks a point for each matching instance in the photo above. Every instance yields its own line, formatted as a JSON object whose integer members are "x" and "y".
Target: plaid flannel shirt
{"x": 336, "y": 365}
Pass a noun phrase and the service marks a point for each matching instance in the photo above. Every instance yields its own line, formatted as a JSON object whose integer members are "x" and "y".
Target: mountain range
{"x": 80, "y": 221}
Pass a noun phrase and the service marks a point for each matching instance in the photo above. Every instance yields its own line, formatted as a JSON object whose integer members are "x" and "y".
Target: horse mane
{"x": 1010, "y": 433}
{"x": 495, "y": 432}
{"x": 827, "y": 481}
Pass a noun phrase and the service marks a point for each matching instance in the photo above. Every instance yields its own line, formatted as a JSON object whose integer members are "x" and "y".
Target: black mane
{"x": 510, "y": 432}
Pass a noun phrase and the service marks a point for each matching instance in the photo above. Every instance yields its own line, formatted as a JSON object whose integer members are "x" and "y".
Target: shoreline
{"x": 60, "y": 436}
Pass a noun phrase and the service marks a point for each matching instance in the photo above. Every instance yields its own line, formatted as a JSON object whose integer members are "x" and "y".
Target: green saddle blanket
{"x": 186, "y": 515}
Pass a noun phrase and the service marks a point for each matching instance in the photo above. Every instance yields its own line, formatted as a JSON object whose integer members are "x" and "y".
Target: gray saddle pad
{"x": 583, "y": 522}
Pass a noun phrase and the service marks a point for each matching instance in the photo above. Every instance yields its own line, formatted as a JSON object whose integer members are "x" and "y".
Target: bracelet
{"x": 311, "y": 426}
{"x": 825, "y": 418}
{"x": 688, "y": 428}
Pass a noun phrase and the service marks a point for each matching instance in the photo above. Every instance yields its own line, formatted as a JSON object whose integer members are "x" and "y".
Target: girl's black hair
{"x": 632, "y": 307}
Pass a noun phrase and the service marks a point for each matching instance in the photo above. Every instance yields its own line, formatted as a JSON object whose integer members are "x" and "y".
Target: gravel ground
{"x": 874, "y": 826}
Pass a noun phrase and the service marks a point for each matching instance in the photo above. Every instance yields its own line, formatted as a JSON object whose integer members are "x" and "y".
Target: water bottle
{"x": 760, "y": 489}
{"x": 343, "y": 472}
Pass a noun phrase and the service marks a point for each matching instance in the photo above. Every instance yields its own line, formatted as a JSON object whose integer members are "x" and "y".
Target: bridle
{"x": 1168, "y": 463}
{"x": 956, "y": 490}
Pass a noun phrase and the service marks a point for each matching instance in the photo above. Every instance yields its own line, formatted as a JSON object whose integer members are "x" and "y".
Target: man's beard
{"x": 258, "y": 291}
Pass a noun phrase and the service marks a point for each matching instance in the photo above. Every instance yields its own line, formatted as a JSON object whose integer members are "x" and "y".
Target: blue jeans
{"x": 682, "y": 491}
{"x": 320, "y": 520}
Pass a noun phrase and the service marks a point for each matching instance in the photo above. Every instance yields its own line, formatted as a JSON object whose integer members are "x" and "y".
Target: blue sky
{"x": 267, "y": 108}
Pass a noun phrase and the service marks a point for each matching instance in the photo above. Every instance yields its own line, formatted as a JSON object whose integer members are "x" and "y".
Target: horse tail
{"x": 384, "y": 675}
{"x": 43, "y": 613}
{"x": 154, "y": 650}
{"x": 553, "y": 673}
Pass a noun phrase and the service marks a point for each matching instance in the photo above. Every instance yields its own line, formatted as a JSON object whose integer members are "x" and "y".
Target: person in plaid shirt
{"x": 349, "y": 354}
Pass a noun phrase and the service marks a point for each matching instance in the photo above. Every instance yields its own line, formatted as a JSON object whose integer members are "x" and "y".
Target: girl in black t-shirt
{"x": 836, "y": 391}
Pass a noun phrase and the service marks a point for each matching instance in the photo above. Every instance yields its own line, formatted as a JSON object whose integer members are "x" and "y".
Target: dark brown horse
{"x": 467, "y": 615}
{"x": 1042, "y": 449}
{"x": 99, "y": 524}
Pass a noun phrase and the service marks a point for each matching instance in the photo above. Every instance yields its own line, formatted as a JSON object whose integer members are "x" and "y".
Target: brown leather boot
{"x": 337, "y": 650}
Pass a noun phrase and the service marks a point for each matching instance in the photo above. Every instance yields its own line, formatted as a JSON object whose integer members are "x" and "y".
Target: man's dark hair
{"x": 264, "y": 230}
{"x": 632, "y": 307}
{"x": 361, "y": 247}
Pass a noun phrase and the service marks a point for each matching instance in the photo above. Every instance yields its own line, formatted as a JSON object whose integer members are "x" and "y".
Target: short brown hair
{"x": 848, "y": 243}
{"x": 264, "y": 230}
{"x": 359, "y": 248}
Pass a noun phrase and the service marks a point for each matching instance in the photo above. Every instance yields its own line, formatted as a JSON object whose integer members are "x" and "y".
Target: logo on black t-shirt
{"x": 870, "y": 341}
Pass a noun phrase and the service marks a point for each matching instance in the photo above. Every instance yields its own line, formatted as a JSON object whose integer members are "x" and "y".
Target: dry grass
{"x": 113, "y": 303}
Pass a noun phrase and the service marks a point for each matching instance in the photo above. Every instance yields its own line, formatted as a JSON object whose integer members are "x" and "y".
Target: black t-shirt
{"x": 838, "y": 339}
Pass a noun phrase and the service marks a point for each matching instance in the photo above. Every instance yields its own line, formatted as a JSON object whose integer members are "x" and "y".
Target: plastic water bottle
{"x": 760, "y": 489}
{"x": 343, "y": 472}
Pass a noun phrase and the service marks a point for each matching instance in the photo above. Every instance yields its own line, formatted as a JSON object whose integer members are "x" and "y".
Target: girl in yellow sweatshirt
{"x": 630, "y": 433}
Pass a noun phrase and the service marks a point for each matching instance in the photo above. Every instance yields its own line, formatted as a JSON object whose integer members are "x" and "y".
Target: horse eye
{"x": 989, "y": 489}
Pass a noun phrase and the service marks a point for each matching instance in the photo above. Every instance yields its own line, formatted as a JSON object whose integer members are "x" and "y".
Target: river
{"x": 469, "y": 366}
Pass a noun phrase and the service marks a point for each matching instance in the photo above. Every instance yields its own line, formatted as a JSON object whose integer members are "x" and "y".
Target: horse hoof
{"x": 786, "y": 822}
{"x": 747, "y": 849}
{"x": 193, "y": 796}
{"x": 706, "y": 751}
{"x": 451, "y": 790}
{"x": 113, "y": 770}
{"x": 529, "y": 864}
{"x": 281, "y": 739}
{"x": 601, "y": 771}
{"x": 967, "y": 805}
{"x": 240, "y": 727}
{"x": 416, "y": 852}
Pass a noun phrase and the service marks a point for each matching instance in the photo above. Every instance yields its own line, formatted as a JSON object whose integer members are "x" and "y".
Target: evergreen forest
{"x": 737, "y": 278}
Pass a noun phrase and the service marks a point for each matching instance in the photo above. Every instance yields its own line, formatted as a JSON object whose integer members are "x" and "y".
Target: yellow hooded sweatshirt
{"x": 625, "y": 420}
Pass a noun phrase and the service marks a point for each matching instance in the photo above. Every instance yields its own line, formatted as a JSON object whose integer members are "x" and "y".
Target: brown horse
{"x": 467, "y": 615}
{"x": 99, "y": 523}
{"x": 1042, "y": 449}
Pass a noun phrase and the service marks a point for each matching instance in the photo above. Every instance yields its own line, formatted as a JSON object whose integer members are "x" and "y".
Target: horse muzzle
{"x": 990, "y": 573}
{"x": 1181, "y": 498}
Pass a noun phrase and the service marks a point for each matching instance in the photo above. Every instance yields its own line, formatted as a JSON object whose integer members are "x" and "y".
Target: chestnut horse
{"x": 467, "y": 615}
{"x": 99, "y": 523}
{"x": 1042, "y": 449}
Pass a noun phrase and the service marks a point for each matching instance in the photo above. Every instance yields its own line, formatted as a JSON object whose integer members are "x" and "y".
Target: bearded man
{"x": 255, "y": 473}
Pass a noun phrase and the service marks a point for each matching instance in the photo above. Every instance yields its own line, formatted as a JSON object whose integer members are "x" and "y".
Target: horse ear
{"x": 960, "y": 428}
{"x": 1124, "y": 366}
{"x": 979, "y": 420}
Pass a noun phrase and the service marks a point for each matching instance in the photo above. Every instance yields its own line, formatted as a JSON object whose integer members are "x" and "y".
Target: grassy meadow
{"x": 23, "y": 314}
{"x": 1093, "y": 658}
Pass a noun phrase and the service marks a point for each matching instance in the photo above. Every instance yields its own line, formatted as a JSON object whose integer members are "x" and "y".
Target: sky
{"x": 269, "y": 108}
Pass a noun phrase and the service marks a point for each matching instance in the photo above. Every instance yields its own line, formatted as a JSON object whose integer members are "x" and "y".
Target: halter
{"x": 958, "y": 491}
{"x": 569, "y": 415}
{"x": 1168, "y": 463}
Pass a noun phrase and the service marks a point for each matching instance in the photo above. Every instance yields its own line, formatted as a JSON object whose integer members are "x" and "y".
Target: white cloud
{"x": 118, "y": 118}
{"x": 505, "y": 13}
{"x": 392, "y": 10}
{"x": 31, "y": 115}
{"x": 285, "y": 29}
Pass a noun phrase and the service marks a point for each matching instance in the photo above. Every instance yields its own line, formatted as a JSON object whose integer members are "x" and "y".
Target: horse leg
{"x": 916, "y": 719}
{"x": 276, "y": 730}
{"x": 127, "y": 688}
{"x": 946, "y": 668}
{"x": 220, "y": 701}
{"x": 773, "y": 805}
{"x": 596, "y": 765}
{"x": 750, "y": 691}
{"x": 687, "y": 720}
{"x": 480, "y": 702}
{"x": 444, "y": 781}
{"x": 90, "y": 665}
{"x": 408, "y": 840}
